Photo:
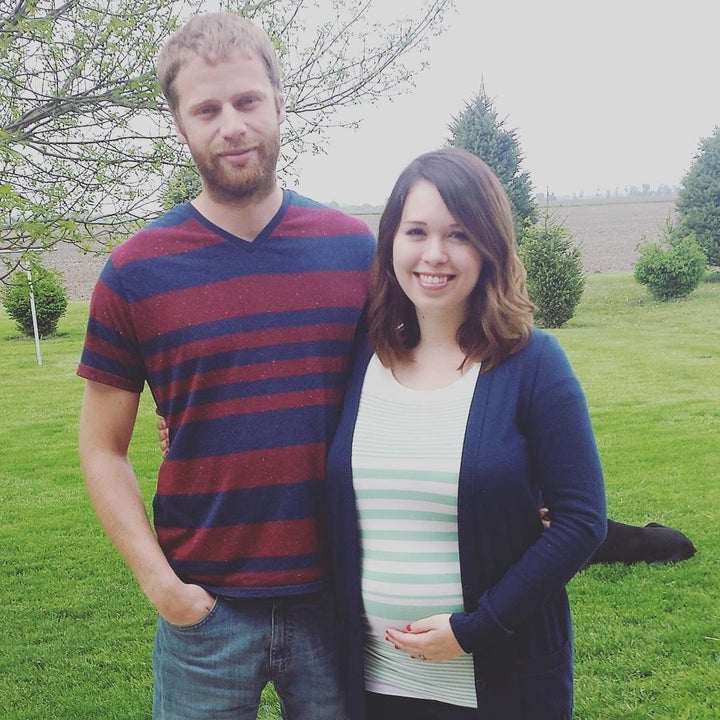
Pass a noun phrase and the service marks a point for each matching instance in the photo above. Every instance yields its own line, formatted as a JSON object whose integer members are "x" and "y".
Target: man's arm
{"x": 106, "y": 426}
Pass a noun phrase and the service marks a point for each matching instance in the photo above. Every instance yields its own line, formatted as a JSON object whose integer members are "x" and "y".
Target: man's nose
{"x": 232, "y": 123}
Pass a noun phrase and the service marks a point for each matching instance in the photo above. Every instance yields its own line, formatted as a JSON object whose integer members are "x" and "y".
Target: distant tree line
{"x": 632, "y": 191}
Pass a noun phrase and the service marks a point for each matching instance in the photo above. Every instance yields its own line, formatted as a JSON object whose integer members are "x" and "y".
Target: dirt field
{"x": 606, "y": 231}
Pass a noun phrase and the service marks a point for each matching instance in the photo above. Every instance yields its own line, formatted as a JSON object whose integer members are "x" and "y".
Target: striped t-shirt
{"x": 245, "y": 348}
{"x": 406, "y": 461}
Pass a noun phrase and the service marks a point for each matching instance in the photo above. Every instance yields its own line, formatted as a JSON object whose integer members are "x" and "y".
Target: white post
{"x": 34, "y": 319}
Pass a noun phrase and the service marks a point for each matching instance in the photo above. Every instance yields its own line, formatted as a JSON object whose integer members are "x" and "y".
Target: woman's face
{"x": 434, "y": 259}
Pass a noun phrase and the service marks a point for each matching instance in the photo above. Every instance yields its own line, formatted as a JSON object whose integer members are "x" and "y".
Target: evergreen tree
{"x": 698, "y": 202}
{"x": 480, "y": 130}
{"x": 555, "y": 276}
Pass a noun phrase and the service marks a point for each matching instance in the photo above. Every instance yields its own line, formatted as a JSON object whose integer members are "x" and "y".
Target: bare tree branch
{"x": 85, "y": 139}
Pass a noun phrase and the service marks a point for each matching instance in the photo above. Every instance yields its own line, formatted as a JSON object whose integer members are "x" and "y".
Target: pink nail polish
{"x": 409, "y": 627}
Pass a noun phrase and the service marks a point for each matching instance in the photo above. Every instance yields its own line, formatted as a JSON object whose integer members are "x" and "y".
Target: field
{"x": 607, "y": 231}
{"x": 76, "y": 636}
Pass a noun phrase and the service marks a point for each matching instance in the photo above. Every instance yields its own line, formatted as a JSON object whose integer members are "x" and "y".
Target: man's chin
{"x": 240, "y": 191}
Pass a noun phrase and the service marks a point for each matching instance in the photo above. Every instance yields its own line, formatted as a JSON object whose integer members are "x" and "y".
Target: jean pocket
{"x": 199, "y": 623}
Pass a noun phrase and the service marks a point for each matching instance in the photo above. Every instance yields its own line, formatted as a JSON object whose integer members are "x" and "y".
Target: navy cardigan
{"x": 528, "y": 440}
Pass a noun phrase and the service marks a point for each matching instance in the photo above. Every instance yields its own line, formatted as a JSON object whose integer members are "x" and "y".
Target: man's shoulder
{"x": 330, "y": 220}
{"x": 158, "y": 237}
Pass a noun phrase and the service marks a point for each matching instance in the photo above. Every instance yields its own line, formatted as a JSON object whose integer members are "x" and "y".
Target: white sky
{"x": 604, "y": 95}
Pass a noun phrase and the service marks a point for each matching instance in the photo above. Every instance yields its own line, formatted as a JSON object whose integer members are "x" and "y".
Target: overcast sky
{"x": 603, "y": 95}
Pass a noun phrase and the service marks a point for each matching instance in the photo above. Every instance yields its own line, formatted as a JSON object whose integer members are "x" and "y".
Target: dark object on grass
{"x": 653, "y": 543}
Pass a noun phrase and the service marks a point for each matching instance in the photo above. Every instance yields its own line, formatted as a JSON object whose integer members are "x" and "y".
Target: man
{"x": 238, "y": 310}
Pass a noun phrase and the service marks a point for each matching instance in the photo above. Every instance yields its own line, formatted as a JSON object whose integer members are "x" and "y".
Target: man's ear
{"x": 179, "y": 131}
{"x": 280, "y": 103}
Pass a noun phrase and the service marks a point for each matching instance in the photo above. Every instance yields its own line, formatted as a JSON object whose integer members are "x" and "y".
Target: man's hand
{"x": 545, "y": 517}
{"x": 163, "y": 436}
{"x": 184, "y": 604}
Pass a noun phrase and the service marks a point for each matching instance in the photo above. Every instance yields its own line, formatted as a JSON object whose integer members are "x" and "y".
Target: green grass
{"x": 648, "y": 636}
{"x": 76, "y": 635}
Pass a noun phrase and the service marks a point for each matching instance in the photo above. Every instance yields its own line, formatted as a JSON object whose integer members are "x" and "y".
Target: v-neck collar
{"x": 262, "y": 236}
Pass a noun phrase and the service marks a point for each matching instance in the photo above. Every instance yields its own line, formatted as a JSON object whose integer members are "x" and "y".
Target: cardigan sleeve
{"x": 564, "y": 464}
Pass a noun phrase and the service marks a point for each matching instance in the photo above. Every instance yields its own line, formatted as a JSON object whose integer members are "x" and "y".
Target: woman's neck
{"x": 436, "y": 361}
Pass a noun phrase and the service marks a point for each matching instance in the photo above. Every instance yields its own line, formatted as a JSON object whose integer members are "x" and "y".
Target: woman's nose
{"x": 434, "y": 251}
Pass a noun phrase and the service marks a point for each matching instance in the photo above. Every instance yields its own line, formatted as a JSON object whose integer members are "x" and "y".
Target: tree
{"x": 672, "y": 268}
{"x": 698, "y": 202}
{"x": 480, "y": 130}
{"x": 184, "y": 185}
{"x": 555, "y": 277}
{"x": 49, "y": 295}
{"x": 85, "y": 143}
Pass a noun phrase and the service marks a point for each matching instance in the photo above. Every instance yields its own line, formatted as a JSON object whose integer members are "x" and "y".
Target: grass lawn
{"x": 76, "y": 636}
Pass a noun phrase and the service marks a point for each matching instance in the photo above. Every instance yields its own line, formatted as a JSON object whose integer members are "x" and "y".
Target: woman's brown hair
{"x": 499, "y": 318}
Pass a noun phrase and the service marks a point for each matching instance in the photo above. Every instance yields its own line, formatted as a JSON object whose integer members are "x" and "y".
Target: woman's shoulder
{"x": 542, "y": 345}
{"x": 542, "y": 360}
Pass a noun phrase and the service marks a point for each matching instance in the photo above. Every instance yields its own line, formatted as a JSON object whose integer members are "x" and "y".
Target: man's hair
{"x": 499, "y": 318}
{"x": 214, "y": 37}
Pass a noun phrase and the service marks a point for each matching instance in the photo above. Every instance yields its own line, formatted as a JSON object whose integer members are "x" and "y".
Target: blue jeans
{"x": 217, "y": 669}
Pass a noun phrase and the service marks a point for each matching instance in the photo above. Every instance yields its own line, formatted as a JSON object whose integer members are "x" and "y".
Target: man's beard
{"x": 255, "y": 180}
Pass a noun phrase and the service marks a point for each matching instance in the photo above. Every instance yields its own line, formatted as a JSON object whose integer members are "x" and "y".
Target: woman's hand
{"x": 430, "y": 638}
{"x": 163, "y": 436}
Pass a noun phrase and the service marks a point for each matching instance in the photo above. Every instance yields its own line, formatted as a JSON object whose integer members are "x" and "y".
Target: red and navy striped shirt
{"x": 245, "y": 348}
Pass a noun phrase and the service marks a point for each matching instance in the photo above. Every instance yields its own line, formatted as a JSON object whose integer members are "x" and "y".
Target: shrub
{"x": 50, "y": 300}
{"x": 555, "y": 276}
{"x": 184, "y": 185}
{"x": 672, "y": 268}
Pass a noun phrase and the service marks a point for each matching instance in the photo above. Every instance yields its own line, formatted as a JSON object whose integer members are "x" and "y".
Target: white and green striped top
{"x": 406, "y": 461}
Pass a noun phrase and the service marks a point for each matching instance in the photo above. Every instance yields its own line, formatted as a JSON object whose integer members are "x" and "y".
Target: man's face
{"x": 229, "y": 117}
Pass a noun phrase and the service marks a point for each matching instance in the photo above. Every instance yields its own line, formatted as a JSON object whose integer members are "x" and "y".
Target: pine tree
{"x": 480, "y": 130}
{"x": 698, "y": 202}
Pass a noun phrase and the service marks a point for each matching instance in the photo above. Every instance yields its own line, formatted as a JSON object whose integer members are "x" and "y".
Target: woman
{"x": 459, "y": 421}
